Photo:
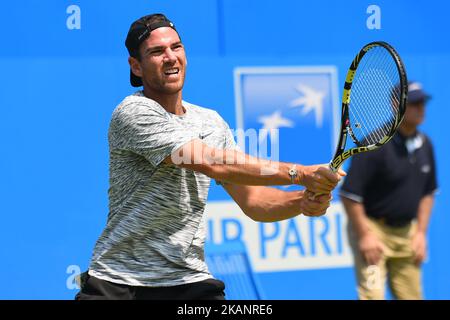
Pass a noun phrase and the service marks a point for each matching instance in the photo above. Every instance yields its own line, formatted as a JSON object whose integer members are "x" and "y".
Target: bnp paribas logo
{"x": 294, "y": 109}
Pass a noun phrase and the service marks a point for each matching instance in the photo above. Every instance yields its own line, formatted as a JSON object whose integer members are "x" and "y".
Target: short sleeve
{"x": 148, "y": 132}
{"x": 359, "y": 175}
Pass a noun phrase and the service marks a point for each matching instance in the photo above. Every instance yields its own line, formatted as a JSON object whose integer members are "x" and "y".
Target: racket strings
{"x": 377, "y": 115}
{"x": 365, "y": 114}
{"x": 380, "y": 113}
{"x": 362, "y": 119}
{"x": 358, "y": 114}
{"x": 375, "y": 97}
{"x": 379, "y": 119}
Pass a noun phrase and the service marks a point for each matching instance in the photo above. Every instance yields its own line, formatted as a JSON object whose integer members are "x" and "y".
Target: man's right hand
{"x": 319, "y": 179}
{"x": 370, "y": 248}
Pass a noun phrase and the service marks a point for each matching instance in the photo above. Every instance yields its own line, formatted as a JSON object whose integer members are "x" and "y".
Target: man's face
{"x": 415, "y": 114}
{"x": 162, "y": 65}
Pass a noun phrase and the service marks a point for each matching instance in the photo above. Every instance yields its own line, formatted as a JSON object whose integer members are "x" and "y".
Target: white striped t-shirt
{"x": 155, "y": 233}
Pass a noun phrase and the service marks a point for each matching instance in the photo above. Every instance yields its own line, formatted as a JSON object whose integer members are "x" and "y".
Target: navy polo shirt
{"x": 392, "y": 180}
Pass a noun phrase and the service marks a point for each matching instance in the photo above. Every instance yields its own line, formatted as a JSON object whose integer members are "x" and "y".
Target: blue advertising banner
{"x": 297, "y": 109}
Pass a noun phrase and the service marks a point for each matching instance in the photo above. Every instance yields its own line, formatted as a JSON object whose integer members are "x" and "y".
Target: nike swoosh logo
{"x": 203, "y": 136}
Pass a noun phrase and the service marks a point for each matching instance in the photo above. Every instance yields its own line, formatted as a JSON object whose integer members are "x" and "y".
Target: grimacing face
{"x": 162, "y": 64}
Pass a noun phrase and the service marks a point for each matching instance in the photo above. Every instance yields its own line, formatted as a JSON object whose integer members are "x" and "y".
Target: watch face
{"x": 292, "y": 174}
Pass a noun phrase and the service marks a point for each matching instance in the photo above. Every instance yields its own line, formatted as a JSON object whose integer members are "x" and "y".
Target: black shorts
{"x": 96, "y": 289}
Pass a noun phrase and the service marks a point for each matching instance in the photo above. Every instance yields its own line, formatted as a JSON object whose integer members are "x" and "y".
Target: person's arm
{"x": 265, "y": 204}
{"x": 235, "y": 167}
{"x": 419, "y": 242}
{"x": 357, "y": 216}
{"x": 144, "y": 129}
{"x": 424, "y": 213}
{"x": 362, "y": 172}
{"x": 369, "y": 245}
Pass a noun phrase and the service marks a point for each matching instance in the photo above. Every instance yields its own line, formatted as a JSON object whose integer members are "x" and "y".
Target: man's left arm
{"x": 267, "y": 204}
{"x": 424, "y": 213}
{"x": 419, "y": 241}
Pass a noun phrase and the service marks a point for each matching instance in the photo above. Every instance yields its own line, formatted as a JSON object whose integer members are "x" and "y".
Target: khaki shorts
{"x": 396, "y": 266}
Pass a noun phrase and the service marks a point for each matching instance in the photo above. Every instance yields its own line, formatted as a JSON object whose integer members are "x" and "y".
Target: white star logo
{"x": 311, "y": 100}
{"x": 271, "y": 123}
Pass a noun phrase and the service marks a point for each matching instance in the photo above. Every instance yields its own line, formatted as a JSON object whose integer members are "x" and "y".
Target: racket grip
{"x": 334, "y": 170}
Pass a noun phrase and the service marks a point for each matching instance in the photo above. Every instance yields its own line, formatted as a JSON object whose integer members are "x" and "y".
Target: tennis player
{"x": 163, "y": 153}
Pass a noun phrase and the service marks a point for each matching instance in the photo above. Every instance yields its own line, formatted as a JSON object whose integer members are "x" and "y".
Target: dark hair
{"x": 141, "y": 29}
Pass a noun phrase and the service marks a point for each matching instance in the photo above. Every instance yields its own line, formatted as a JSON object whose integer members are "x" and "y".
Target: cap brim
{"x": 418, "y": 96}
{"x": 135, "y": 80}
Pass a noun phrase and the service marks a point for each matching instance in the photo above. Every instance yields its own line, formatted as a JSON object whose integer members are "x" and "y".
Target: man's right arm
{"x": 357, "y": 216}
{"x": 145, "y": 130}
{"x": 236, "y": 167}
{"x": 369, "y": 245}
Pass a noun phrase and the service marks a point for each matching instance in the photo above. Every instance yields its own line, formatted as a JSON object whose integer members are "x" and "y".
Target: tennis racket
{"x": 373, "y": 101}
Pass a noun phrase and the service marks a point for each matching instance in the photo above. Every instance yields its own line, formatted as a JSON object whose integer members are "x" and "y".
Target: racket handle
{"x": 313, "y": 197}
{"x": 334, "y": 170}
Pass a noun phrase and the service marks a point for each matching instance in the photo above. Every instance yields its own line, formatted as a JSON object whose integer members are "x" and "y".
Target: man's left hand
{"x": 314, "y": 206}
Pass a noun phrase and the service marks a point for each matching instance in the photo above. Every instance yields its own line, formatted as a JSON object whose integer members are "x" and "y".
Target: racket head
{"x": 373, "y": 101}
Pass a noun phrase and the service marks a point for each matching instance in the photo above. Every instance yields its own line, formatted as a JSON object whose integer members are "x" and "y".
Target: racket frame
{"x": 341, "y": 154}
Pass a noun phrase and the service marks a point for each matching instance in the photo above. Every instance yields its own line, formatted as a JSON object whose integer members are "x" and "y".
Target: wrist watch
{"x": 293, "y": 174}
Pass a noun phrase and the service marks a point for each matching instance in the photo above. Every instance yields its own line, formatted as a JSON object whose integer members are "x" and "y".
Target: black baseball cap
{"x": 416, "y": 92}
{"x": 138, "y": 32}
